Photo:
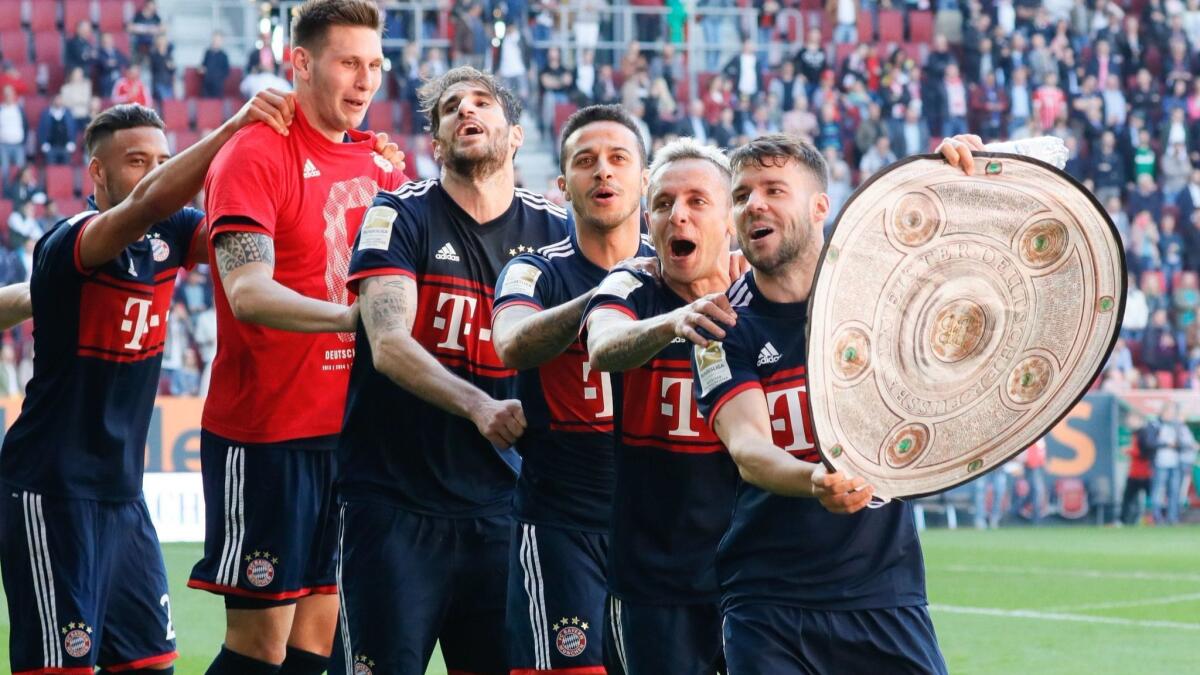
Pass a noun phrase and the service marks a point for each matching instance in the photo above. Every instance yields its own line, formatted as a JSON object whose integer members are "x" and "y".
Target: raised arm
{"x": 174, "y": 183}
{"x": 15, "y": 305}
{"x": 617, "y": 342}
{"x": 389, "y": 307}
{"x": 525, "y": 337}
{"x": 744, "y": 426}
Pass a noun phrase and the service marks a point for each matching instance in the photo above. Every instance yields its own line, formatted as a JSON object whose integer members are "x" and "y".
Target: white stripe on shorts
{"x": 231, "y": 553}
{"x": 534, "y": 588}
{"x": 43, "y": 578}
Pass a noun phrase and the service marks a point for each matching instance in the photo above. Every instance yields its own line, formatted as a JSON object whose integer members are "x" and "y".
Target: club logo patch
{"x": 620, "y": 283}
{"x": 570, "y": 636}
{"x": 376, "y": 230}
{"x": 711, "y": 365}
{"x": 363, "y": 665}
{"x": 161, "y": 250}
{"x": 260, "y": 570}
{"x": 521, "y": 279}
{"x": 382, "y": 163}
{"x": 77, "y": 639}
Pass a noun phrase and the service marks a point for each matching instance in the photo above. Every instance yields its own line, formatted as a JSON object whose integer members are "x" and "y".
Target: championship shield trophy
{"x": 955, "y": 319}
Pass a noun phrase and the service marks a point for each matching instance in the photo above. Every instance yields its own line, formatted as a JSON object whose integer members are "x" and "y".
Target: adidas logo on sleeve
{"x": 447, "y": 252}
{"x": 768, "y": 354}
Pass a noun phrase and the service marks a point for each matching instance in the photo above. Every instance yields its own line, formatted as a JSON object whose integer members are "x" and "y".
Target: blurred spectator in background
{"x": 144, "y": 27}
{"x": 110, "y": 64}
{"x": 471, "y": 40}
{"x": 1173, "y": 440}
{"x": 26, "y": 187}
{"x": 1137, "y": 482}
{"x": 57, "y": 132}
{"x": 76, "y": 94}
{"x": 215, "y": 68}
{"x": 258, "y": 79}
{"x": 12, "y": 134}
{"x": 879, "y": 156}
{"x": 23, "y": 225}
{"x": 988, "y": 514}
{"x": 555, "y": 83}
{"x": 81, "y": 48}
{"x": 130, "y": 88}
{"x": 162, "y": 68}
{"x": 1034, "y": 461}
{"x": 50, "y": 215}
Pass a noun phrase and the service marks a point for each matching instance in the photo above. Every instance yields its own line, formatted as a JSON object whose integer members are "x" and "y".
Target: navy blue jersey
{"x": 790, "y": 550}
{"x": 98, "y": 341}
{"x": 394, "y": 446}
{"x": 567, "y": 448}
{"x": 675, "y": 482}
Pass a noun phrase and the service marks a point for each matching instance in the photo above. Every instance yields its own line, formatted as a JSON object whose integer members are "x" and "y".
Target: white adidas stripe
{"x": 618, "y": 630}
{"x": 412, "y": 189}
{"x": 43, "y": 578}
{"x": 540, "y": 202}
{"x": 563, "y": 245}
{"x": 231, "y": 553}
{"x": 534, "y": 588}
{"x": 345, "y": 622}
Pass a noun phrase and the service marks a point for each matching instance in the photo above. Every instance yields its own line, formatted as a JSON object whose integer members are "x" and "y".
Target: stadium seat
{"x": 6, "y": 209}
{"x": 48, "y": 47}
{"x": 1166, "y": 379}
{"x": 34, "y": 105}
{"x": 60, "y": 181}
{"x": 15, "y": 46}
{"x": 232, "y": 82}
{"x": 10, "y": 15}
{"x": 1181, "y": 379}
{"x": 891, "y": 26}
{"x": 866, "y": 27}
{"x": 75, "y": 11}
{"x": 85, "y": 183}
{"x": 210, "y": 113}
{"x": 112, "y": 15}
{"x": 193, "y": 83}
{"x": 561, "y": 112}
{"x": 175, "y": 114}
{"x": 920, "y": 27}
{"x": 381, "y": 116}
{"x": 121, "y": 40}
{"x": 185, "y": 139}
{"x": 69, "y": 207}
{"x": 812, "y": 5}
{"x": 43, "y": 15}
{"x": 843, "y": 51}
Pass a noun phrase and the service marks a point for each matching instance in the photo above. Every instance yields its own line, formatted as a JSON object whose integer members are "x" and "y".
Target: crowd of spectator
{"x": 867, "y": 81}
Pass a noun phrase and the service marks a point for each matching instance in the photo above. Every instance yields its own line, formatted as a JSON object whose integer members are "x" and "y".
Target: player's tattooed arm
{"x": 744, "y": 425}
{"x": 389, "y": 308}
{"x": 246, "y": 263}
{"x": 526, "y": 338}
{"x": 15, "y": 305}
{"x": 616, "y": 342}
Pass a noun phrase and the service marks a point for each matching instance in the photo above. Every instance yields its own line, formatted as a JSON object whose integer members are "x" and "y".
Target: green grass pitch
{"x": 1052, "y": 600}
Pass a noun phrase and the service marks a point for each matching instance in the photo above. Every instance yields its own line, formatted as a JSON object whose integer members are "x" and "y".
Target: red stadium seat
{"x": 121, "y": 40}
{"x": 561, "y": 112}
{"x": 1182, "y": 380}
{"x": 193, "y": 83}
{"x": 43, "y": 15}
{"x": 85, "y": 183}
{"x": 866, "y": 27}
{"x": 381, "y": 116}
{"x": 70, "y": 206}
{"x": 15, "y": 46}
{"x": 55, "y": 76}
{"x": 232, "y": 82}
{"x": 60, "y": 182}
{"x": 48, "y": 47}
{"x": 112, "y": 15}
{"x": 185, "y": 139}
{"x": 1166, "y": 379}
{"x": 812, "y": 5}
{"x": 840, "y": 56}
{"x": 34, "y": 105}
{"x": 175, "y": 114}
{"x": 10, "y": 15}
{"x": 891, "y": 25}
{"x": 210, "y": 113}
{"x": 920, "y": 27}
{"x": 75, "y": 11}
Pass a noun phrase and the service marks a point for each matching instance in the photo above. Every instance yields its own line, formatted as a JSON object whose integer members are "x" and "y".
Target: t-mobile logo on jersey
{"x": 679, "y": 406}
{"x": 786, "y": 407}
{"x": 138, "y": 321}
{"x": 603, "y": 392}
{"x": 459, "y": 321}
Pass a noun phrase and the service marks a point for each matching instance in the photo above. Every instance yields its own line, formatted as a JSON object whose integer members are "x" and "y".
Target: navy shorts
{"x": 780, "y": 640}
{"x": 556, "y": 594}
{"x": 86, "y": 585}
{"x": 409, "y": 580}
{"x": 662, "y": 639}
{"x": 270, "y": 531}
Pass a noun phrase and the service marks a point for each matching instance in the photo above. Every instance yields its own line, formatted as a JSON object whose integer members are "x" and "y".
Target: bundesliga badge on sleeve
{"x": 955, "y": 319}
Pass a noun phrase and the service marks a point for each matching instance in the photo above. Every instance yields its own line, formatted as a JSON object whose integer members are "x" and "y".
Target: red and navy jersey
{"x": 567, "y": 449}
{"x": 675, "y": 481}
{"x": 790, "y": 550}
{"x": 308, "y": 194}
{"x": 98, "y": 342}
{"x": 394, "y": 446}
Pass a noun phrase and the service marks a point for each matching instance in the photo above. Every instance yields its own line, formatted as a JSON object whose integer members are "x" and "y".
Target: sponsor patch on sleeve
{"x": 712, "y": 366}
{"x": 521, "y": 279}
{"x": 376, "y": 231}
{"x": 620, "y": 284}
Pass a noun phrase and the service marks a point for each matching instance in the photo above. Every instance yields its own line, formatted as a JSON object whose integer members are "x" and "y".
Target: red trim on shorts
{"x": 142, "y": 663}
{"x": 576, "y": 670}
{"x": 241, "y": 592}
{"x": 57, "y": 671}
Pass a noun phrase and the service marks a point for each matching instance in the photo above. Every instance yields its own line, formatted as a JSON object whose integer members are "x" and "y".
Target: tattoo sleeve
{"x": 388, "y": 304}
{"x": 235, "y": 249}
{"x": 617, "y": 344}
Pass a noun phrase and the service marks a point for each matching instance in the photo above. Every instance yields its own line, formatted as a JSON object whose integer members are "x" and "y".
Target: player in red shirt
{"x": 130, "y": 89}
{"x": 283, "y": 213}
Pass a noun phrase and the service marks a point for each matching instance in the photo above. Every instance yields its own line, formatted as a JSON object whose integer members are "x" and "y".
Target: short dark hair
{"x": 598, "y": 113}
{"x": 432, "y": 91}
{"x": 777, "y": 150}
{"x": 116, "y": 118}
{"x": 311, "y": 21}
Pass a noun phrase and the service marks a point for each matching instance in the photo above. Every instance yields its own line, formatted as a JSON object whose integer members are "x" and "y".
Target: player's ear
{"x": 818, "y": 208}
{"x": 645, "y": 181}
{"x": 301, "y": 62}
{"x": 562, "y": 187}
{"x": 96, "y": 171}
{"x": 516, "y": 137}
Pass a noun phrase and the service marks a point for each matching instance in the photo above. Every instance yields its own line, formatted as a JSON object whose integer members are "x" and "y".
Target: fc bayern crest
{"x": 160, "y": 248}
{"x": 77, "y": 642}
{"x": 571, "y": 641}
{"x": 362, "y": 665}
{"x": 260, "y": 572}
{"x": 381, "y": 162}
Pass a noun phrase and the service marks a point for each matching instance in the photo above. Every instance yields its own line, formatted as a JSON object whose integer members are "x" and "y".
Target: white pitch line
{"x": 1118, "y": 604}
{"x": 1064, "y": 572}
{"x": 1061, "y": 616}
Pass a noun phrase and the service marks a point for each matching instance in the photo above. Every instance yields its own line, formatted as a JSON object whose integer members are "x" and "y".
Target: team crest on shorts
{"x": 161, "y": 249}
{"x": 260, "y": 570}
{"x": 77, "y": 639}
{"x": 363, "y": 665}
{"x": 570, "y": 636}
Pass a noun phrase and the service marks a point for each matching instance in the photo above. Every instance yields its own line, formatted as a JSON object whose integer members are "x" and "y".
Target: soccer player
{"x": 674, "y": 482}
{"x": 426, "y": 467}
{"x": 803, "y": 590}
{"x": 282, "y": 214}
{"x": 82, "y": 568}
{"x": 563, "y": 500}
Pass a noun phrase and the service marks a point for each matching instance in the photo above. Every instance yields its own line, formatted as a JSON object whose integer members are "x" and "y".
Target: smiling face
{"x": 338, "y": 77}
{"x": 779, "y": 211}
{"x": 473, "y": 137}
{"x": 123, "y": 160}
{"x": 603, "y": 178}
{"x": 689, "y": 219}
